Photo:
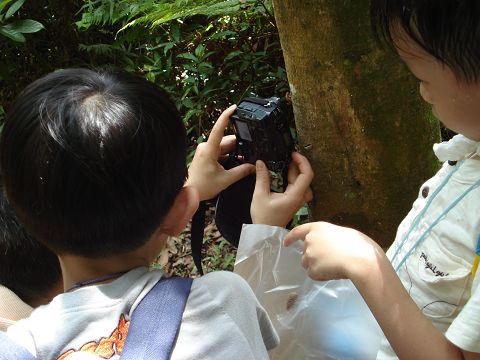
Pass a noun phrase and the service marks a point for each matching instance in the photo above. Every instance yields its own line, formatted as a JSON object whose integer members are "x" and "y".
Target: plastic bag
{"x": 315, "y": 320}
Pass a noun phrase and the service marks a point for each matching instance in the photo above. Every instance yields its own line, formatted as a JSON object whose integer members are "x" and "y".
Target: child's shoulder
{"x": 222, "y": 283}
{"x": 223, "y": 290}
{"x": 222, "y": 307}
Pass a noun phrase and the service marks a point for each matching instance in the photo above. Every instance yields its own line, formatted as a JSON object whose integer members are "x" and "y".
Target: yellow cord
{"x": 476, "y": 261}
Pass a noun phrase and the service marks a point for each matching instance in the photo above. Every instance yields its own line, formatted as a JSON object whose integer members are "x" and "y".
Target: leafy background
{"x": 207, "y": 53}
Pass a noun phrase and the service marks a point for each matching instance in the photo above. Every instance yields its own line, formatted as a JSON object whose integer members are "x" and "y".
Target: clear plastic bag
{"x": 315, "y": 320}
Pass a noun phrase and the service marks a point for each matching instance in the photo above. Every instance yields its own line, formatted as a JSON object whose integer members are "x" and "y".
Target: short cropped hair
{"x": 27, "y": 267}
{"x": 92, "y": 160}
{"x": 449, "y": 30}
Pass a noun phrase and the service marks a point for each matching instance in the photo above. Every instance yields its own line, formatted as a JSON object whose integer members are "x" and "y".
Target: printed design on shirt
{"x": 432, "y": 267}
{"x": 434, "y": 288}
{"x": 106, "y": 347}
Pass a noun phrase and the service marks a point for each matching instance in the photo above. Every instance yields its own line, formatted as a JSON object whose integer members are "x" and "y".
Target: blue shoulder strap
{"x": 153, "y": 328}
{"x": 10, "y": 350}
{"x": 155, "y": 322}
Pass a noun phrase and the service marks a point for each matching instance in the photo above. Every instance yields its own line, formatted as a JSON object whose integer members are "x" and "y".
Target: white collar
{"x": 457, "y": 148}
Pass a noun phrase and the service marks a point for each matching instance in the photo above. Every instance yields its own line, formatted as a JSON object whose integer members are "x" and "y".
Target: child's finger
{"x": 303, "y": 164}
{"x": 262, "y": 182}
{"x": 305, "y": 262}
{"x": 239, "y": 172}
{"x": 293, "y": 172}
{"x": 303, "y": 179}
{"x": 227, "y": 144}
{"x": 308, "y": 196}
{"x": 297, "y": 233}
{"x": 222, "y": 158}
{"x": 218, "y": 128}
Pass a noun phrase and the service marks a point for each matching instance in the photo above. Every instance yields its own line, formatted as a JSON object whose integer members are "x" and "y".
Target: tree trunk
{"x": 360, "y": 119}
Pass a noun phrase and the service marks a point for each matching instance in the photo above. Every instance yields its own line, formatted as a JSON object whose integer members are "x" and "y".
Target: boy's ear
{"x": 182, "y": 210}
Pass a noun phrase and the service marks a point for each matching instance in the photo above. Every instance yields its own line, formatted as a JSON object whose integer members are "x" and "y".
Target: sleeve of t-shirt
{"x": 464, "y": 331}
{"x": 238, "y": 300}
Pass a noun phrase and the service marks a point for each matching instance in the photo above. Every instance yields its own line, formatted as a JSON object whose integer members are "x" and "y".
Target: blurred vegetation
{"x": 208, "y": 54}
{"x": 16, "y": 29}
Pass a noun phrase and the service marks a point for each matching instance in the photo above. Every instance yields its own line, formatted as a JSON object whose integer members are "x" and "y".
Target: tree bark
{"x": 359, "y": 117}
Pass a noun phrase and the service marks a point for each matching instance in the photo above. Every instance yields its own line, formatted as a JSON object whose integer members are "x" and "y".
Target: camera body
{"x": 262, "y": 129}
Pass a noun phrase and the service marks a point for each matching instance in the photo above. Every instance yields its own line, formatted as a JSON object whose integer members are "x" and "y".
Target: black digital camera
{"x": 262, "y": 129}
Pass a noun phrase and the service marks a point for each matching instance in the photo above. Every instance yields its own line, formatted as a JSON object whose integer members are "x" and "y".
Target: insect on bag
{"x": 314, "y": 319}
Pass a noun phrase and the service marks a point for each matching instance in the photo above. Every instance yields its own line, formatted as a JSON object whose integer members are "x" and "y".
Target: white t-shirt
{"x": 437, "y": 274}
{"x": 222, "y": 320}
{"x": 12, "y": 308}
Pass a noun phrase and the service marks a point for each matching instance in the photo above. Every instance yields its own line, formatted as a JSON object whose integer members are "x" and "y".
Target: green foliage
{"x": 15, "y": 29}
{"x": 207, "y": 54}
{"x": 301, "y": 217}
{"x": 221, "y": 256}
{"x": 153, "y": 13}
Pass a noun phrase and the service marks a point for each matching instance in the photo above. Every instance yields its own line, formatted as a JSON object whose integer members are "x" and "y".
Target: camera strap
{"x": 232, "y": 210}
{"x": 196, "y": 235}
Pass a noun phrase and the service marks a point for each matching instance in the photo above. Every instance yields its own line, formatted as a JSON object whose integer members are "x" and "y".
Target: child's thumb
{"x": 262, "y": 183}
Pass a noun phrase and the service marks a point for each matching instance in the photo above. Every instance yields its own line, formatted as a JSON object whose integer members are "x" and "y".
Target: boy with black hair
{"x": 94, "y": 165}
{"x": 29, "y": 273}
{"x": 423, "y": 292}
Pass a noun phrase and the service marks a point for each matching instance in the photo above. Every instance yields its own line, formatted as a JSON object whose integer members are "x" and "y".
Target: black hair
{"x": 27, "y": 267}
{"x": 449, "y": 30}
{"x": 92, "y": 160}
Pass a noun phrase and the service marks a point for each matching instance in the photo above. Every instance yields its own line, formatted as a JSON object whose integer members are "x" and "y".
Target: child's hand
{"x": 333, "y": 252}
{"x": 278, "y": 208}
{"x": 205, "y": 172}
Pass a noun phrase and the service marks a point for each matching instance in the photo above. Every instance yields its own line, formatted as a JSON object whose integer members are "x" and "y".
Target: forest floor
{"x": 217, "y": 254}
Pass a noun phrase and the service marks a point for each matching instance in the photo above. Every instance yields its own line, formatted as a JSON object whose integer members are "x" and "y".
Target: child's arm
{"x": 334, "y": 252}
{"x": 277, "y": 209}
{"x": 205, "y": 172}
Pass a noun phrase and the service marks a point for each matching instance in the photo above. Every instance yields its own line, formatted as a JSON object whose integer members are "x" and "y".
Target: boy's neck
{"x": 77, "y": 269}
